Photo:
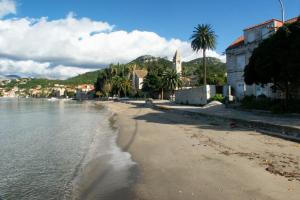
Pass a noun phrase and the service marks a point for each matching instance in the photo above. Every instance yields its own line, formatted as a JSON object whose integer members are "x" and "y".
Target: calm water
{"x": 60, "y": 150}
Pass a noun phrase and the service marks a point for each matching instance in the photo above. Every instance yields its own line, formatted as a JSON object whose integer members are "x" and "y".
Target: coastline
{"x": 180, "y": 157}
{"x": 108, "y": 172}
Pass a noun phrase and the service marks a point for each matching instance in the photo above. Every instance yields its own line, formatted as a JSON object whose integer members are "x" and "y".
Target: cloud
{"x": 81, "y": 43}
{"x": 38, "y": 69}
{"x": 7, "y": 7}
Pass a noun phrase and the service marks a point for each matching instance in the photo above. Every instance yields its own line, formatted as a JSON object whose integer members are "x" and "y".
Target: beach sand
{"x": 184, "y": 157}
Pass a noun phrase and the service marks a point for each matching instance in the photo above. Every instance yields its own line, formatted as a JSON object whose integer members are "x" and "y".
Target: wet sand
{"x": 183, "y": 157}
{"x": 106, "y": 172}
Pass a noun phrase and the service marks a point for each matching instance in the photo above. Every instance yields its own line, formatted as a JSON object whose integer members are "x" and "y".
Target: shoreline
{"x": 106, "y": 174}
{"x": 180, "y": 157}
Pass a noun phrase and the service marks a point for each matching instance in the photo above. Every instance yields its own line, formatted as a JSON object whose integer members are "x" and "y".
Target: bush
{"x": 277, "y": 109}
{"x": 218, "y": 97}
{"x": 274, "y": 105}
{"x": 261, "y": 102}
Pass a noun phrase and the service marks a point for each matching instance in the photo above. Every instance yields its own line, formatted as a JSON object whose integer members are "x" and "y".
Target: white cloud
{"x": 39, "y": 69}
{"x": 81, "y": 42}
{"x": 7, "y": 7}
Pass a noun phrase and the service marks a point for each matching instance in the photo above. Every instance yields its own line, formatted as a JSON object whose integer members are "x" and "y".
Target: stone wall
{"x": 195, "y": 96}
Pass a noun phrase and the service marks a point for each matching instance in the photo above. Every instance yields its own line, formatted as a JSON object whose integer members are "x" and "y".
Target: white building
{"x": 239, "y": 53}
{"x": 58, "y": 91}
{"x": 138, "y": 77}
{"x": 177, "y": 64}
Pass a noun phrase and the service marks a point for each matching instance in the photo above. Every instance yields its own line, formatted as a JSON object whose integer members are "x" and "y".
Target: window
{"x": 241, "y": 61}
{"x": 240, "y": 89}
{"x": 251, "y": 36}
{"x": 265, "y": 32}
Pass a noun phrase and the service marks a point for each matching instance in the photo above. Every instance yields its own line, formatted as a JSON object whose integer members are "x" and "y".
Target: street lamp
{"x": 282, "y": 10}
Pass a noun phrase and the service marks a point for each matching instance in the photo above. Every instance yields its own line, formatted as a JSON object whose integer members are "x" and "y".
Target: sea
{"x": 61, "y": 149}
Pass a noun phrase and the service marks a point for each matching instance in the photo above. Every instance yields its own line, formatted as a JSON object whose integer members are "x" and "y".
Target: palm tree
{"x": 130, "y": 70}
{"x": 107, "y": 87}
{"x": 125, "y": 85}
{"x": 117, "y": 85}
{"x": 171, "y": 80}
{"x": 204, "y": 38}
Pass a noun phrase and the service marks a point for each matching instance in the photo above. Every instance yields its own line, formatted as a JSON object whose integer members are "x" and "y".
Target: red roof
{"x": 264, "y": 23}
{"x": 239, "y": 41}
{"x": 278, "y": 23}
{"x": 293, "y": 20}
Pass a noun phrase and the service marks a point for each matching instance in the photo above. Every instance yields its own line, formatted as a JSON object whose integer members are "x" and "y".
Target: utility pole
{"x": 282, "y": 10}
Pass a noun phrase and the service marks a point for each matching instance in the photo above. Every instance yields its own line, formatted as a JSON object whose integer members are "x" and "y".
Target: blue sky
{"x": 170, "y": 19}
{"x": 63, "y": 38}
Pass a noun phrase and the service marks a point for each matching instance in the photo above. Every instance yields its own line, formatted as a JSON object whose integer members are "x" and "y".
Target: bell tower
{"x": 177, "y": 63}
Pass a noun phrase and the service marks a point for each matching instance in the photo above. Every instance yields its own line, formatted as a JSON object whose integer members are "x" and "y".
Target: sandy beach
{"x": 183, "y": 157}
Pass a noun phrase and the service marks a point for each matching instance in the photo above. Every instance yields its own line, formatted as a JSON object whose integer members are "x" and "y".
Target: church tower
{"x": 177, "y": 63}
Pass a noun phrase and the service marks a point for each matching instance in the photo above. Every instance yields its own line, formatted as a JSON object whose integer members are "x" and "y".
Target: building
{"x": 11, "y": 93}
{"x": 239, "y": 53}
{"x": 177, "y": 64}
{"x": 84, "y": 91}
{"x": 138, "y": 77}
{"x": 58, "y": 92}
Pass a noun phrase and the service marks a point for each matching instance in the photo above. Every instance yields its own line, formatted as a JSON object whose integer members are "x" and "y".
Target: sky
{"x": 63, "y": 38}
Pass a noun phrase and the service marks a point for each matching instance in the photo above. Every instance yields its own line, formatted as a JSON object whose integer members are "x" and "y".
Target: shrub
{"x": 274, "y": 105}
{"x": 218, "y": 97}
{"x": 277, "y": 109}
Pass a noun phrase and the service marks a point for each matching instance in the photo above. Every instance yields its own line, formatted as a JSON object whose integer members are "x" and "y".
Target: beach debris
{"x": 290, "y": 175}
{"x": 250, "y": 156}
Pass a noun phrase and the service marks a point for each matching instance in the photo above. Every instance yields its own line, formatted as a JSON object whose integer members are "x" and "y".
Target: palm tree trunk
{"x": 162, "y": 93}
{"x": 204, "y": 66}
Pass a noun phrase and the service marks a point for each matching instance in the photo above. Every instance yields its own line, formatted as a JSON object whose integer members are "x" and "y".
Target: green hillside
{"x": 193, "y": 68}
{"x": 216, "y": 70}
{"x": 86, "y": 78}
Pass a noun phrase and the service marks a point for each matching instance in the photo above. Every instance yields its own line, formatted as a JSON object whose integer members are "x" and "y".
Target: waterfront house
{"x": 58, "y": 91}
{"x": 239, "y": 53}
{"x": 84, "y": 91}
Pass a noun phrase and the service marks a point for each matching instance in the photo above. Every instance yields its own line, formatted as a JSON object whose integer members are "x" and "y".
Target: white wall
{"x": 140, "y": 83}
{"x": 195, "y": 96}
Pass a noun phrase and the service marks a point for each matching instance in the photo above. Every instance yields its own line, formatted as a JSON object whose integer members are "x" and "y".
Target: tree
{"x": 130, "y": 69}
{"x": 125, "y": 85}
{"x": 117, "y": 85}
{"x": 121, "y": 85}
{"x": 171, "y": 80}
{"x": 203, "y": 38}
{"x": 101, "y": 80}
{"x": 106, "y": 89}
{"x": 276, "y": 60}
{"x": 151, "y": 84}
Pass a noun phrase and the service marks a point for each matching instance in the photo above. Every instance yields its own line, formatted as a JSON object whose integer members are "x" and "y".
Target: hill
{"x": 147, "y": 61}
{"x": 86, "y": 78}
{"x": 216, "y": 72}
